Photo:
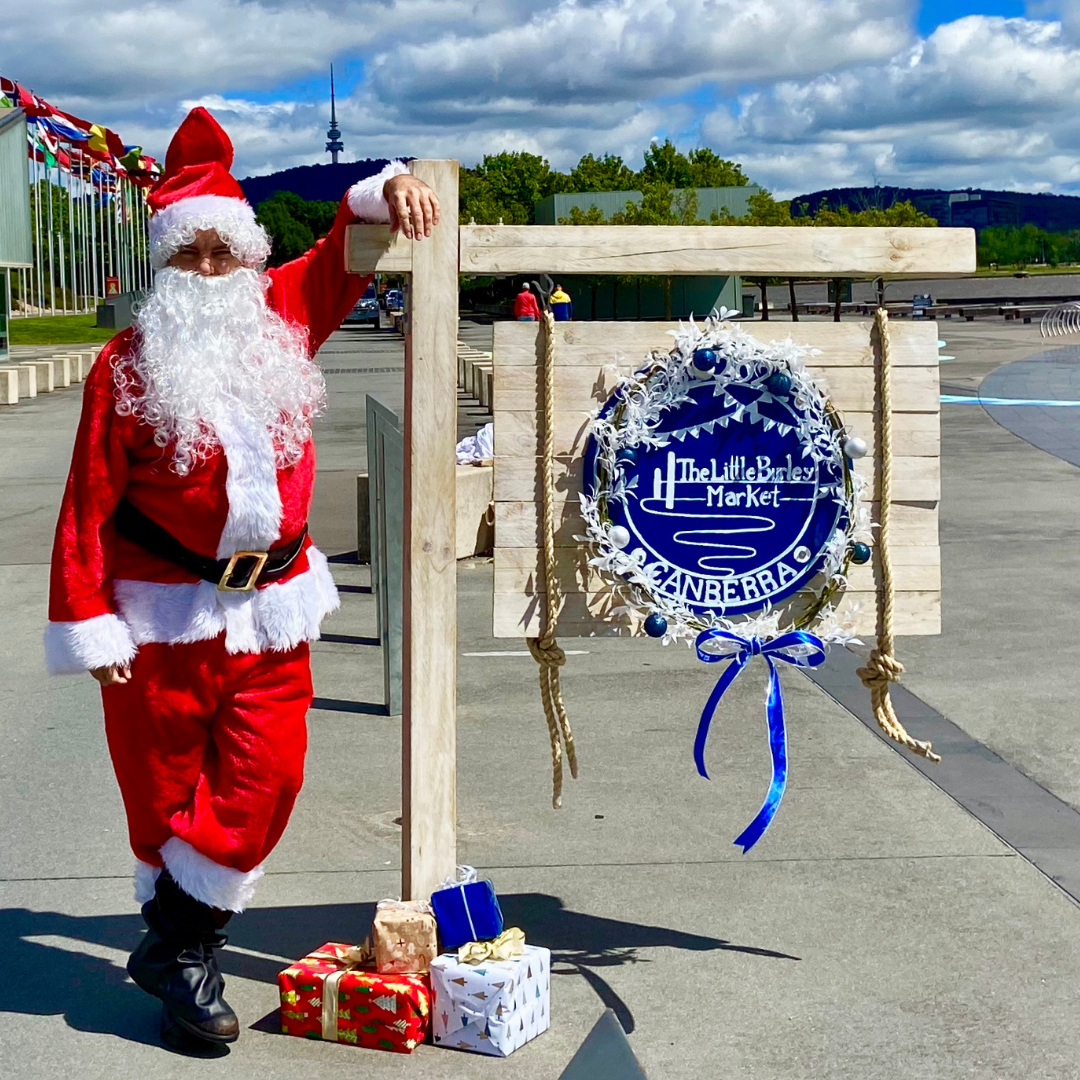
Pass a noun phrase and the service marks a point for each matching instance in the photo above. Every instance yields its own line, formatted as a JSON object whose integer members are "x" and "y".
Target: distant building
{"x": 677, "y": 297}
{"x": 16, "y": 250}
{"x": 973, "y": 208}
{"x": 735, "y": 200}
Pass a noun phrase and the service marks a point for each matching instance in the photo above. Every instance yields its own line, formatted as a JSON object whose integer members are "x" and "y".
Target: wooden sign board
{"x": 588, "y": 358}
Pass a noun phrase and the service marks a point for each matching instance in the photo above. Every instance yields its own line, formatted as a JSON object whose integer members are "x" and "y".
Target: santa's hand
{"x": 112, "y": 675}
{"x": 414, "y": 207}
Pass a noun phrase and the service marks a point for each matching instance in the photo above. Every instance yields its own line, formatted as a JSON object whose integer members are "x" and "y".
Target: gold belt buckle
{"x": 260, "y": 558}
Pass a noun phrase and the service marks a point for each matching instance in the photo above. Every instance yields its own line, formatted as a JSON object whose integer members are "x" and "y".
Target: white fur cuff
{"x": 145, "y": 879}
{"x": 366, "y": 196}
{"x": 219, "y": 886}
{"x": 74, "y": 647}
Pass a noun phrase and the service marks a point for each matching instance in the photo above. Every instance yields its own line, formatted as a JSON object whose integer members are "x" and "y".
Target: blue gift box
{"x": 467, "y": 911}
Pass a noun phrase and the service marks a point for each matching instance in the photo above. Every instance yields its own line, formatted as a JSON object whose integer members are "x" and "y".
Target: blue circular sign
{"x": 732, "y": 501}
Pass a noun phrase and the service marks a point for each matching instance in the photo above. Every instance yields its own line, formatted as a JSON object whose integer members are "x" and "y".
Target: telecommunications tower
{"x": 334, "y": 144}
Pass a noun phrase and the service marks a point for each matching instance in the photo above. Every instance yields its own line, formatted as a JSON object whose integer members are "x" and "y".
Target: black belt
{"x": 253, "y": 566}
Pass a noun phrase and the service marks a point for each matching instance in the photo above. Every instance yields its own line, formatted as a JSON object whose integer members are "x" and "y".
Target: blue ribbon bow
{"x": 811, "y": 653}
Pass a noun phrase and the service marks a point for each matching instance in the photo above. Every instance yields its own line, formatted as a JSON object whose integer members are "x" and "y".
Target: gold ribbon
{"x": 509, "y": 945}
{"x": 351, "y": 958}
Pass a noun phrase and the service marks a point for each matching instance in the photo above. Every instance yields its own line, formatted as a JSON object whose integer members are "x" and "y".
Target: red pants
{"x": 209, "y": 748}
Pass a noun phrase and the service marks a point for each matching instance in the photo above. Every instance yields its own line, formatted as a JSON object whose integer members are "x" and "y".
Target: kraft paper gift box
{"x": 493, "y": 1007}
{"x": 466, "y": 910}
{"x": 403, "y": 935}
{"x": 328, "y": 995}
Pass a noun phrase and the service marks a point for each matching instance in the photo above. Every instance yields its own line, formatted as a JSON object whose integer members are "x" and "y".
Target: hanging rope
{"x": 883, "y": 668}
{"x": 545, "y": 650}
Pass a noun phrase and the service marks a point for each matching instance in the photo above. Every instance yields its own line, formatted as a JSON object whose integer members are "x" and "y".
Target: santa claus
{"x": 183, "y": 576}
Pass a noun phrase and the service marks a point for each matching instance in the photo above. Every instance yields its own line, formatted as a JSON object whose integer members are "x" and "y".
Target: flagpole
{"x": 94, "y": 233}
{"x": 60, "y": 239}
{"x": 39, "y": 268}
{"x": 71, "y": 234}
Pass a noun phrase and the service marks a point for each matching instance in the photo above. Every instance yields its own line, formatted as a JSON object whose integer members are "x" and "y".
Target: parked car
{"x": 366, "y": 309}
{"x": 395, "y": 300}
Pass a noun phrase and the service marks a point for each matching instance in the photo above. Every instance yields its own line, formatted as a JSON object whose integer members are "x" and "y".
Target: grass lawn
{"x": 1027, "y": 271}
{"x": 57, "y": 330}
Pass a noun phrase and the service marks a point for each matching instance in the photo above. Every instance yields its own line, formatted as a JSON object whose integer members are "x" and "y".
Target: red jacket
{"x": 525, "y": 304}
{"x": 107, "y": 596}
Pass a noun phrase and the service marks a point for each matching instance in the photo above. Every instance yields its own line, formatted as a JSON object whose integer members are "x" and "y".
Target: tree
{"x": 660, "y": 205}
{"x": 898, "y": 215}
{"x": 764, "y": 210}
{"x": 294, "y": 223}
{"x": 708, "y": 169}
{"x": 609, "y": 173}
{"x": 665, "y": 165}
{"x": 508, "y": 186}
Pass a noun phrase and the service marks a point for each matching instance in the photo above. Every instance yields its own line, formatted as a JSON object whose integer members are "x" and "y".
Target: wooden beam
{"x": 625, "y": 345}
{"x": 371, "y": 249}
{"x": 429, "y": 660}
{"x": 731, "y": 249}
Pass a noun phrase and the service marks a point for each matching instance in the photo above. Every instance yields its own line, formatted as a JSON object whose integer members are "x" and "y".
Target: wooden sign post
{"x": 429, "y": 578}
{"x": 584, "y": 354}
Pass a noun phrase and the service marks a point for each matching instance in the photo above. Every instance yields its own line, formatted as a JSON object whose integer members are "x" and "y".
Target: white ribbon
{"x": 392, "y": 903}
{"x": 466, "y": 875}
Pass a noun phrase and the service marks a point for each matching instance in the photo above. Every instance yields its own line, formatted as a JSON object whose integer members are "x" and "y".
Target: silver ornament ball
{"x": 855, "y": 447}
{"x": 620, "y": 536}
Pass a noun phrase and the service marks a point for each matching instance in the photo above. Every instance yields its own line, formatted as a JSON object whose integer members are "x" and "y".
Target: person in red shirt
{"x": 183, "y": 577}
{"x": 526, "y": 308}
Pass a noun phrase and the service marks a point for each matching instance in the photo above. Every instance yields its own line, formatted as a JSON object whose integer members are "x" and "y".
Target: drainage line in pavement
{"x": 1031, "y": 820}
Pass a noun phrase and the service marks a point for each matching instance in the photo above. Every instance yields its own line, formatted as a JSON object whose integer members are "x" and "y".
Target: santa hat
{"x": 197, "y": 191}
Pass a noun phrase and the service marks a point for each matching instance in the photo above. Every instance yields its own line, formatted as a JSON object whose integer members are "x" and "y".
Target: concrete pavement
{"x": 878, "y": 930}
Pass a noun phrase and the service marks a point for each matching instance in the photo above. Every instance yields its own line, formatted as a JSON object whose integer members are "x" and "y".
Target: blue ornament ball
{"x": 626, "y": 456}
{"x": 704, "y": 359}
{"x": 656, "y": 625}
{"x": 860, "y": 553}
{"x": 778, "y": 383}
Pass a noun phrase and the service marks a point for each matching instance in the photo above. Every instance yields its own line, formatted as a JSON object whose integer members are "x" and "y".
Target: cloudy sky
{"x": 806, "y": 93}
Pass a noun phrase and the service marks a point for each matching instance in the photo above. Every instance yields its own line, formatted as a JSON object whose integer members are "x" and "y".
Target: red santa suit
{"x": 208, "y": 736}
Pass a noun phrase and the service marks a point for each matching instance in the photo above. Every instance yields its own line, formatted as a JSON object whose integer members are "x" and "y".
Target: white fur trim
{"x": 254, "y": 519}
{"x": 175, "y": 225}
{"x": 145, "y": 879}
{"x": 366, "y": 196}
{"x": 277, "y": 617}
{"x": 210, "y": 882}
{"x": 74, "y": 647}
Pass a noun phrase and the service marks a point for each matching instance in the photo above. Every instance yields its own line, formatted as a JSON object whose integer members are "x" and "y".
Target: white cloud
{"x": 813, "y": 93}
{"x": 983, "y": 101}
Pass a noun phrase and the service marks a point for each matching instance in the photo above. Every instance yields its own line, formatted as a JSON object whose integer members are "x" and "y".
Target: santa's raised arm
{"x": 183, "y": 576}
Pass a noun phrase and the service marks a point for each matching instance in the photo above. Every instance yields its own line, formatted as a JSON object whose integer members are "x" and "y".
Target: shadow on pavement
{"x": 94, "y": 994}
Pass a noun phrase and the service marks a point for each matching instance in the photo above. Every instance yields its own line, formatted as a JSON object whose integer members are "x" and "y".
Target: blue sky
{"x": 806, "y": 94}
{"x": 932, "y": 14}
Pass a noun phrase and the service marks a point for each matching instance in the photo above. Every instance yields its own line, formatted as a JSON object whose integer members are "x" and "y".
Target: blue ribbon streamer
{"x": 776, "y": 649}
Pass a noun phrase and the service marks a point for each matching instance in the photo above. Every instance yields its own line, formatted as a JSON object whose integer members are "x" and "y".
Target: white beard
{"x": 209, "y": 350}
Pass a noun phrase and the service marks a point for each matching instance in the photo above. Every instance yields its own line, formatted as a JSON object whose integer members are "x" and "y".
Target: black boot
{"x": 175, "y": 961}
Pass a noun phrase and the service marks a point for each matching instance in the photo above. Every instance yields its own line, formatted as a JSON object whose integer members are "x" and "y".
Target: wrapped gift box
{"x": 403, "y": 935}
{"x": 467, "y": 911}
{"x": 493, "y": 1007}
{"x": 328, "y": 995}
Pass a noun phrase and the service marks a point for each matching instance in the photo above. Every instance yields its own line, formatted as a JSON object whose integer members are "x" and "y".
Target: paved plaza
{"x": 896, "y": 922}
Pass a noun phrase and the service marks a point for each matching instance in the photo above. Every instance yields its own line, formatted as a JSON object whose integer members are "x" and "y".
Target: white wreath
{"x": 664, "y": 383}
